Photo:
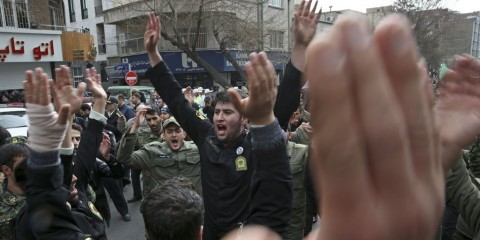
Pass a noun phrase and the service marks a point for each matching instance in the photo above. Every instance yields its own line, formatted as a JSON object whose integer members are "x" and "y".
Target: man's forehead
{"x": 225, "y": 106}
{"x": 150, "y": 116}
{"x": 75, "y": 133}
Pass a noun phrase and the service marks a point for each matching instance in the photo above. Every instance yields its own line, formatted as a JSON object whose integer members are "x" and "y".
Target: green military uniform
{"x": 297, "y": 154}
{"x": 464, "y": 231}
{"x": 159, "y": 163}
{"x": 300, "y": 136}
{"x": 145, "y": 136}
{"x": 10, "y": 205}
{"x": 305, "y": 115}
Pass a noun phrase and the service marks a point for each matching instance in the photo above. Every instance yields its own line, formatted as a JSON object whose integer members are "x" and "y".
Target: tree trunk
{"x": 235, "y": 64}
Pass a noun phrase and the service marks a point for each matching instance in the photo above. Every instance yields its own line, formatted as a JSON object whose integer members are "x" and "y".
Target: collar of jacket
{"x": 217, "y": 144}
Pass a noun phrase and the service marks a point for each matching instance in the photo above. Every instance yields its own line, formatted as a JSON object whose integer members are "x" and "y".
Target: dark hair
{"x": 4, "y": 134}
{"x": 77, "y": 127}
{"x": 120, "y": 97}
{"x": 151, "y": 111}
{"x": 173, "y": 211}
{"x": 85, "y": 106}
{"x": 221, "y": 97}
{"x": 136, "y": 94}
{"x": 9, "y": 151}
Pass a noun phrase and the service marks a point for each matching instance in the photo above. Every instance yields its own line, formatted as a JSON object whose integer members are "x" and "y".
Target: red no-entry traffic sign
{"x": 131, "y": 78}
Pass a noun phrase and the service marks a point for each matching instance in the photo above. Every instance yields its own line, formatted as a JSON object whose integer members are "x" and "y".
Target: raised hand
{"x": 63, "y": 90}
{"x": 95, "y": 85}
{"x": 305, "y": 22}
{"x": 152, "y": 33}
{"x": 139, "y": 118}
{"x": 47, "y": 128}
{"x": 457, "y": 110}
{"x": 258, "y": 107}
{"x": 189, "y": 95}
{"x": 375, "y": 151}
{"x": 151, "y": 38}
{"x": 105, "y": 146}
{"x": 304, "y": 27}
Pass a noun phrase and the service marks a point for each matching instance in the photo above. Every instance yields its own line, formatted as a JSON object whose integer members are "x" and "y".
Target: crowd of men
{"x": 366, "y": 146}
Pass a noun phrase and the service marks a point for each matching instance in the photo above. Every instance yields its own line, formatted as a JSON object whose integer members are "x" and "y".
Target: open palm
{"x": 305, "y": 23}
{"x": 457, "y": 110}
{"x": 152, "y": 33}
{"x": 63, "y": 90}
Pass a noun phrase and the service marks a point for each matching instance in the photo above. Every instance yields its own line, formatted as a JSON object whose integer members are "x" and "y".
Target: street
{"x": 121, "y": 230}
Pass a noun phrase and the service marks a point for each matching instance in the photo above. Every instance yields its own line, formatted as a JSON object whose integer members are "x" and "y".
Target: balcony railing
{"x": 130, "y": 46}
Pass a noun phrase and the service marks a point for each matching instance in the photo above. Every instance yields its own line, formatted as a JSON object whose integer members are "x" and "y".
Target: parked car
{"x": 126, "y": 91}
{"x": 15, "y": 120}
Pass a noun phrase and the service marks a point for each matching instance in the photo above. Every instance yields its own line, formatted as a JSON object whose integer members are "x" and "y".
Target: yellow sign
{"x": 241, "y": 163}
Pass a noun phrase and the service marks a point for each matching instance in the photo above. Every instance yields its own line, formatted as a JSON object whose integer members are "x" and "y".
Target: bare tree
{"x": 186, "y": 25}
{"x": 429, "y": 22}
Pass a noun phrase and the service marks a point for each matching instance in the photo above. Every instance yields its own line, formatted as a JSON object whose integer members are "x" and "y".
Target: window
{"x": 15, "y": 13}
{"x": 77, "y": 75}
{"x": 56, "y": 15}
{"x": 202, "y": 36}
{"x": 22, "y": 14}
{"x": 276, "y": 39}
{"x": 71, "y": 10}
{"x": 276, "y": 3}
{"x": 9, "y": 14}
{"x": 84, "y": 9}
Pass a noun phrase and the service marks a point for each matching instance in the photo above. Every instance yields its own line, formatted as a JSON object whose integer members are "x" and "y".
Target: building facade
{"x": 34, "y": 34}
{"x": 462, "y": 35}
{"x": 271, "y": 19}
{"x": 87, "y": 16}
{"x": 28, "y": 39}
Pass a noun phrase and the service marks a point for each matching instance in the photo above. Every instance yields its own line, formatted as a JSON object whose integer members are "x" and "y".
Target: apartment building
{"x": 28, "y": 39}
{"x": 462, "y": 35}
{"x": 87, "y": 16}
{"x": 270, "y": 19}
{"x": 33, "y": 34}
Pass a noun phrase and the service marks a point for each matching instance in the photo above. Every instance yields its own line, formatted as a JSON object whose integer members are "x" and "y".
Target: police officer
{"x": 113, "y": 114}
{"x": 160, "y": 161}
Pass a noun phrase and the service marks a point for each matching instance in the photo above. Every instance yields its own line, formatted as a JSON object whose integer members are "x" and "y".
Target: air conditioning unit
{"x": 122, "y": 39}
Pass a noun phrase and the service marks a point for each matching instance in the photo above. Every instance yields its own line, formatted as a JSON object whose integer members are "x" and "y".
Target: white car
{"x": 15, "y": 120}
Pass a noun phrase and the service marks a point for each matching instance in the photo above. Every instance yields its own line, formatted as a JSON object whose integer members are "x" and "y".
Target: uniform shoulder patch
{"x": 94, "y": 210}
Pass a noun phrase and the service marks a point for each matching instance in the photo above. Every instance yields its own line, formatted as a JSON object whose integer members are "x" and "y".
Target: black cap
{"x": 112, "y": 100}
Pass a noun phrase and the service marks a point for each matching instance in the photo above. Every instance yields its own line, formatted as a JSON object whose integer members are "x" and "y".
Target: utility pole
{"x": 260, "y": 21}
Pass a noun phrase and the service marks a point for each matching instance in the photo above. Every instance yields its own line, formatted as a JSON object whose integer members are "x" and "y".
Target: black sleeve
{"x": 271, "y": 193}
{"x": 288, "y": 96}
{"x": 110, "y": 169}
{"x": 171, "y": 92}
{"x": 46, "y": 199}
{"x": 87, "y": 153}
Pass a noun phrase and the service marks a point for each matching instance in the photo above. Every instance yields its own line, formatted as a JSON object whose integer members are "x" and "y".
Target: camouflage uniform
{"x": 10, "y": 205}
{"x": 297, "y": 154}
{"x": 145, "y": 136}
{"x": 159, "y": 163}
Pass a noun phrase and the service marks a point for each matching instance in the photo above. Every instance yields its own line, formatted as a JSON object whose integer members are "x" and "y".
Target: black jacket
{"x": 47, "y": 215}
{"x": 232, "y": 196}
{"x": 112, "y": 123}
